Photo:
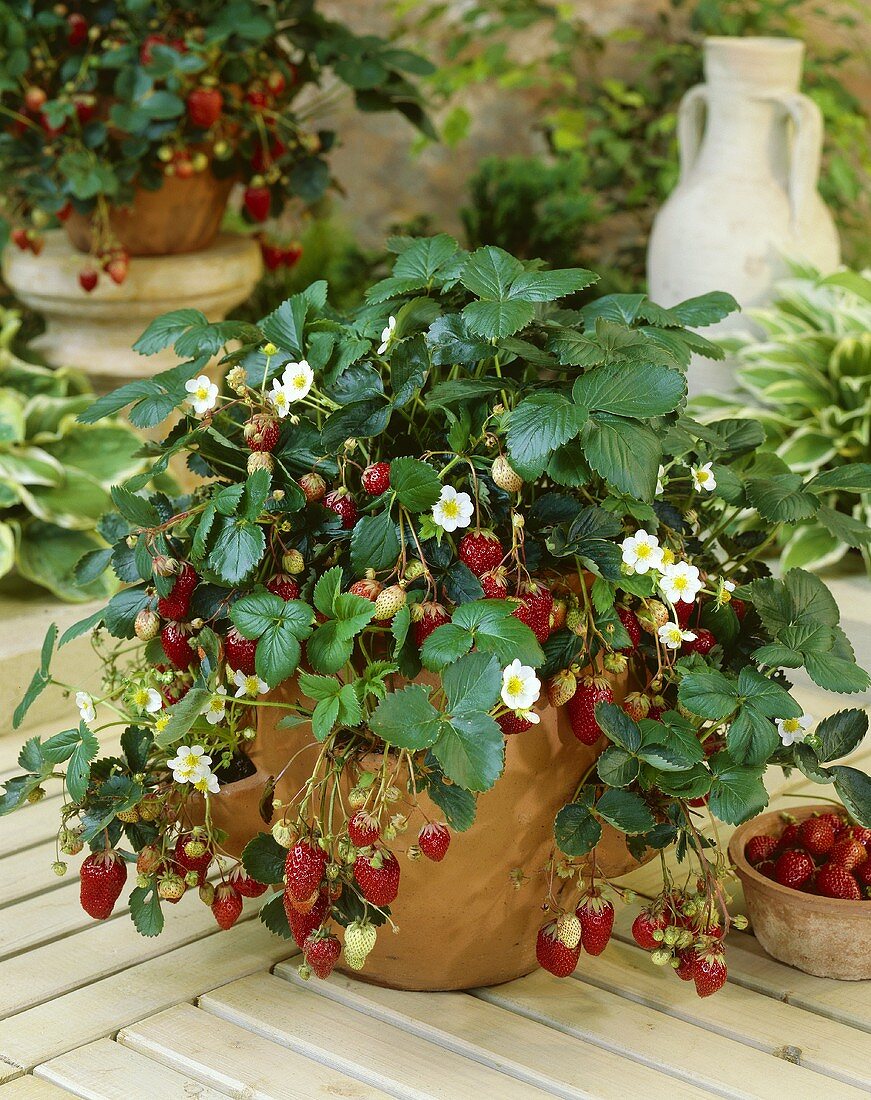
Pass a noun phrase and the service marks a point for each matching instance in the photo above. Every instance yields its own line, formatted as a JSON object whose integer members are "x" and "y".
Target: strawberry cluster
{"x": 682, "y": 931}
{"x": 824, "y": 854}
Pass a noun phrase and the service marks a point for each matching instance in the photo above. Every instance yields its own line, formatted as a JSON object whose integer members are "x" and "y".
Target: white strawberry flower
{"x": 520, "y": 686}
{"x": 453, "y": 509}
{"x": 280, "y": 398}
{"x": 531, "y": 717}
{"x": 206, "y": 782}
{"x": 216, "y": 707}
{"x": 203, "y": 394}
{"x": 298, "y": 379}
{"x": 641, "y": 551}
{"x": 680, "y": 581}
{"x": 660, "y": 484}
{"x": 87, "y": 710}
{"x": 672, "y": 637}
{"x": 248, "y": 685}
{"x": 703, "y": 477}
{"x": 147, "y": 699}
{"x": 189, "y": 763}
{"x": 792, "y": 730}
{"x": 387, "y": 335}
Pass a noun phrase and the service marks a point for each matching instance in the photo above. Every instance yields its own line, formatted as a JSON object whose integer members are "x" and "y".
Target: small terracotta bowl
{"x": 822, "y": 936}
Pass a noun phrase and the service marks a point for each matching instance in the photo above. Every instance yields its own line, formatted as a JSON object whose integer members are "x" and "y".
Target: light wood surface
{"x": 90, "y": 1009}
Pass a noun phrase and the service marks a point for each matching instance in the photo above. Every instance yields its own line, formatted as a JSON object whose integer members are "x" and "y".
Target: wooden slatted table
{"x": 92, "y": 1010}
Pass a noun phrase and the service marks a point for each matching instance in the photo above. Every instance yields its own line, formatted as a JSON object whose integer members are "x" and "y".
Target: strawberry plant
{"x": 466, "y": 505}
{"x": 97, "y": 101}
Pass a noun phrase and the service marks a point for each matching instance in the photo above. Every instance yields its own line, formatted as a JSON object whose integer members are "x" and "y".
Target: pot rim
{"x": 832, "y": 907}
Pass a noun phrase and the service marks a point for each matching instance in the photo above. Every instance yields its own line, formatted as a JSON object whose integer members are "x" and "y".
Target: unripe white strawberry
{"x": 576, "y": 622}
{"x": 568, "y": 930}
{"x": 292, "y": 562}
{"x": 505, "y": 476}
{"x": 147, "y": 624}
{"x": 389, "y": 602}
{"x": 652, "y": 615}
{"x": 260, "y": 460}
{"x": 636, "y": 705}
{"x": 360, "y": 938}
{"x": 561, "y": 687}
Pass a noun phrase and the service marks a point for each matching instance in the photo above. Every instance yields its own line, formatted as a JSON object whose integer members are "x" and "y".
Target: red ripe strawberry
{"x": 257, "y": 201}
{"x": 835, "y": 881}
{"x": 684, "y": 612}
{"x": 77, "y": 30}
{"x": 304, "y": 868}
{"x": 117, "y": 269}
{"x": 759, "y": 848}
{"x": 378, "y": 885}
{"x": 20, "y": 238}
{"x": 321, "y": 953}
{"x": 596, "y": 915}
{"x": 863, "y": 874}
{"x": 363, "y": 829}
{"x": 433, "y": 615}
{"x": 264, "y": 157}
{"x": 645, "y": 924}
{"x": 102, "y": 878}
{"x": 176, "y": 646}
{"x": 495, "y": 584}
{"x": 789, "y": 836}
{"x": 342, "y": 503}
{"x": 276, "y": 82}
{"x": 687, "y": 963}
{"x": 632, "y": 626}
{"x": 376, "y": 478}
{"x": 582, "y": 708}
{"x": 816, "y": 836}
{"x": 313, "y": 487}
{"x": 261, "y": 433}
{"x": 257, "y": 98}
{"x": 767, "y": 867}
{"x": 227, "y": 905}
{"x": 176, "y": 605}
{"x": 703, "y": 643}
{"x": 192, "y": 853}
{"x": 239, "y": 652}
{"x": 145, "y": 51}
{"x": 856, "y": 832}
{"x": 204, "y": 106}
{"x": 553, "y": 955}
{"x": 848, "y": 853}
{"x": 739, "y": 607}
{"x": 540, "y": 603}
{"x": 282, "y": 584}
{"x": 369, "y": 588}
{"x": 291, "y": 255}
{"x": 301, "y": 924}
{"x": 709, "y": 971}
{"x": 244, "y": 884}
{"x": 481, "y": 551}
{"x": 272, "y": 255}
{"x": 434, "y": 840}
{"x": 526, "y": 615}
{"x": 793, "y": 868}
{"x": 512, "y": 723}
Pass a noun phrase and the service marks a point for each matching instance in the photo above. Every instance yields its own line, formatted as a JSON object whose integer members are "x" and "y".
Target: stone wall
{"x": 384, "y": 184}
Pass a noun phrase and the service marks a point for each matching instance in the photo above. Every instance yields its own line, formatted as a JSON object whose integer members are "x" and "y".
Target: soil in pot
{"x": 492, "y": 877}
{"x": 184, "y": 215}
{"x": 822, "y": 936}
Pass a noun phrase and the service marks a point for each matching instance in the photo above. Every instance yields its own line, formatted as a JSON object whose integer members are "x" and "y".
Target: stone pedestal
{"x": 95, "y": 332}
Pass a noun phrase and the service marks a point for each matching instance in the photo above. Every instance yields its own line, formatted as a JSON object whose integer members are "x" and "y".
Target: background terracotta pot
{"x": 463, "y": 922}
{"x": 183, "y": 216}
{"x": 822, "y": 936}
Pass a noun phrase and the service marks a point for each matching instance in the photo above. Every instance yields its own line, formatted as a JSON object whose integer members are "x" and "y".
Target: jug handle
{"x": 807, "y": 146}
{"x": 689, "y": 127}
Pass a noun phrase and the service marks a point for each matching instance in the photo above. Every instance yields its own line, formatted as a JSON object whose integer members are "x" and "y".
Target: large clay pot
{"x": 747, "y": 195}
{"x": 184, "y": 215}
{"x": 463, "y": 922}
{"x": 823, "y": 936}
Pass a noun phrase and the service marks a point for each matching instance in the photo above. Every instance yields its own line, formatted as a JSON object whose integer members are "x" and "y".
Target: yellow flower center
{"x": 791, "y": 725}
{"x": 667, "y": 557}
{"x": 450, "y": 509}
{"x": 191, "y": 760}
{"x": 161, "y": 722}
{"x": 299, "y": 382}
{"x": 514, "y": 685}
{"x": 702, "y": 476}
{"x": 674, "y": 635}
{"x": 251, "y": 685}
{"x": 217, "y": 704}
{"x": 679, "y": 583}
{"x": 202, "y": 393}
{"x": 643, "y": 550}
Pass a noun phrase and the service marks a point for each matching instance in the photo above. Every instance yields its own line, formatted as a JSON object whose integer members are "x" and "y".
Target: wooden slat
{"x": 561, "y": 1064}
{"x": 26, "y": 874}
{"x": 236, "y": 1061}
{"x": 398, "y": 1062}
{"x": 738, "y": 1013}
{"x": 32, "y": 825}
{"x": 31, "y": 1088}
{"x": 102, "y": 948}
{"x": 8, "y": 1071}
{"x": 108, "y": 1071}
{"x": 105, "y": 1005}
{"x": 634, "y": 1031}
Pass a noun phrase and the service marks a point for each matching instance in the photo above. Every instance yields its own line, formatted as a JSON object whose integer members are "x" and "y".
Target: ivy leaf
{"x": 407, "y": 719}
{"x": 471, "y": 750}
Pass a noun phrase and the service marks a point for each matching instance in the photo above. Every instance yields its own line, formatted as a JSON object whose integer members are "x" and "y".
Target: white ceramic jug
{"x": 747, "y": 196}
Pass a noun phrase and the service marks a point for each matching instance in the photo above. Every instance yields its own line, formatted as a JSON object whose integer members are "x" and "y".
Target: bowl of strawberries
{"x": 806, "y": 876}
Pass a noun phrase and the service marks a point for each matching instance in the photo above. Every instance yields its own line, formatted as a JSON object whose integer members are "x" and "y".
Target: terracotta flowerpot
{"x": 463, "y": 923}
{"x": 822, "y": 936}
{"x": 183, "y": 216}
